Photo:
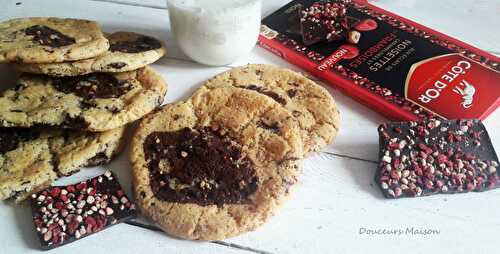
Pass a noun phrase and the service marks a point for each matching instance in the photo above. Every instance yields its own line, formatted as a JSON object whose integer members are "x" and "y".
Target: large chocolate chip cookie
{"x": 309, "y": 103}
{"x": 217, "y": 165}
{"x": 128, "y": 51}
{"x": 31, "y": 159}
{"x": 95, "y": 102}
{"x": 48, "y": 40}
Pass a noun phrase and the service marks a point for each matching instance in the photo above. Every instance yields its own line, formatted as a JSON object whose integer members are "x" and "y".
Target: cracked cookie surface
{"x": 49, "y": 40}
{"x": 128, "y": 51}
{"x": 31, "y": 159}
{"x": 309, "y": 103}
{"x": 217, "y": 165}
{"x": 94, "y": 102}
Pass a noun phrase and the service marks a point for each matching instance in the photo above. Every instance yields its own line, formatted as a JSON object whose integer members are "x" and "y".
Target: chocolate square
{"x": 63, "y": 214}
{"x": 435, "y": 156}
{"x": 324, "y": 21}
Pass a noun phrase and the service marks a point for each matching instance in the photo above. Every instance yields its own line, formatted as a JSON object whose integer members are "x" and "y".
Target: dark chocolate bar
{"x": 435, "y": 156}
{"x": 324, "y": 21}
{"x": 63, "y": 214}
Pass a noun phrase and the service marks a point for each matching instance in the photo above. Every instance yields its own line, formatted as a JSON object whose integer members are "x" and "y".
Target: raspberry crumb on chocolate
{"x": 434, "y": 156}
{"x": 324, "y": 21}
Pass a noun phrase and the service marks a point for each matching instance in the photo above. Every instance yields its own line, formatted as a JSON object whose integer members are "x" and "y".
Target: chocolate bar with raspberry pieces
{"x": 324, "y": 21}
{"x": 63, "y": 214}
{"x": 436, "y": 156}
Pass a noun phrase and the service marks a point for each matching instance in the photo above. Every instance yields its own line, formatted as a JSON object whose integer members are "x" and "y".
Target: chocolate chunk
{"x": 274, "y": 128}
{"x": 57, "y": 216}
{"x": 98, "y": 159}
{"x": 74, "y": 123}
{"x": 433, "y": 156}
{"x": 117, "y": 65}
{"x": 291, "y": 93}
{"x": 268, "y": 93}
{"x": 141, "y": 44}
{"x": 198, "y": 166}
{"x": 324, "y": 21}
{"x": 92, "y": 86}
{"x": 47, "y": 36}
{"x": 11, "y": 137}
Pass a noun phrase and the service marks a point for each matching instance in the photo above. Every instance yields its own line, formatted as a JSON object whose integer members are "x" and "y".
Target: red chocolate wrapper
{"x": 400, "y": 68}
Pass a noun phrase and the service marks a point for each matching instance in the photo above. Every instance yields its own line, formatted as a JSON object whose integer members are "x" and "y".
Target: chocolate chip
{"x": 291, "y": 93}
{"x": 274, "y": 128}
{"x": 74, "y": 122}
{"x": 141, "y": 44}
{"x": 214, "y": 171}
{"x": 20, "y": 87}
{"x": 268, "y": 93}
{"x": 11, "y": 137}
{"x": 117, "y": 65}
{"x": 94, "y": 85}
{"x": 47, "y": 36}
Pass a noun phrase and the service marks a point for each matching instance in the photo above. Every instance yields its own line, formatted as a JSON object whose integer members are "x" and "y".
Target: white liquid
{"x": 215, "y": 32}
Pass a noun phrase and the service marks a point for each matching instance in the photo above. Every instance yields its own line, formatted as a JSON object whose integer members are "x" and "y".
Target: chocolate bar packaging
{"x": 402, "y": 69}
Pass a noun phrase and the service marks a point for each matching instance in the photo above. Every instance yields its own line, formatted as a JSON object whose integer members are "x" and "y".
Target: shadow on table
{"x": 363, "y": 173}
{"x": 25, "y": 225}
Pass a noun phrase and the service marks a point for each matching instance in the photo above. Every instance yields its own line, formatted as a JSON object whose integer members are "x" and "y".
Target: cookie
{"x": 215, "y": 166}
{"x": 436, "y": 157}
{"x": 49, "y": 40}
{"x": 80, "y": 210}
{"x": 94, "y": 102}
{"x": 128, "y": 51}
{"x": 31, "y": 159}
{"x": 73, "y": 150}
{"x": 309, "y": 103}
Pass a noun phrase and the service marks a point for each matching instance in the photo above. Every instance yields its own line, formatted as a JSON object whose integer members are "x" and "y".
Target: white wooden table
{"x": 336, "y": 197}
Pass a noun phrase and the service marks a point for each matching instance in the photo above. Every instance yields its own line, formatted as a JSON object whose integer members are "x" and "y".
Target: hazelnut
{"x": 353, "y": 37}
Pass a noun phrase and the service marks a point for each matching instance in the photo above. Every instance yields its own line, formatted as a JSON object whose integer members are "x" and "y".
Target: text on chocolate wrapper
{"x": 446, "y": 79}
{"x": 333, "y": 59}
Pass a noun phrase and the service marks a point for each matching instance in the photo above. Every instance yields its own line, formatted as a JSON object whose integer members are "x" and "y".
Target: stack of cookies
{"x": 220, "y": 163}
{"x": 79, "y": 90}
